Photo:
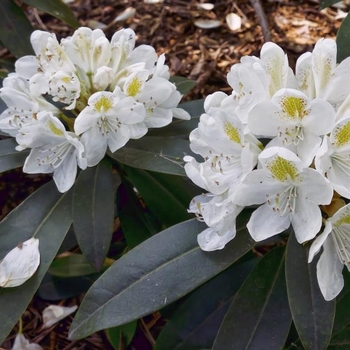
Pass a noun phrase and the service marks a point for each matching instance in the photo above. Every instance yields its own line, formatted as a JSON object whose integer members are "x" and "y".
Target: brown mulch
{"x": 204, "y": 55}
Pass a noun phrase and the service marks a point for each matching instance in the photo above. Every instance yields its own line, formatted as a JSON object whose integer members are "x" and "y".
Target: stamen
{"x": 284, "y": 202}
{"x": 341, "y": 236}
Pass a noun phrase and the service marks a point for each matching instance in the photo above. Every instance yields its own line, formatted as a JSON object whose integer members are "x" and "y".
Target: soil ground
{"x": 204, "y": 55}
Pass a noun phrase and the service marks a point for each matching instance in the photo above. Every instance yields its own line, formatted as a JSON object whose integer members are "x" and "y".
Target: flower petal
{"x": 315, "y": 187}
{"x": 54, "y": 313}
{"x": 319, "y": 241}
{"x": 20, "y": 263}
{"x": 329, "y": 271}
{"x": 22, "y": 343}
{"x": 210, "y": 240}
{"x": 64, "y": 175}
{"x": 306, "y": 220}
{"x": 265, "y": 223}
{"x": 255, "y": 187}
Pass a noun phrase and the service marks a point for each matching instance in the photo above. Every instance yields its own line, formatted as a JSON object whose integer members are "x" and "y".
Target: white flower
{"x": 158, "y": 96}
{"x": 54, "y": 150}
{"x": 55, "y": 72}
{"x": 333, "y": 158}
{"x": 229, "y": 154}
{"x": 22, "y": 104}
{"x": 291, "y": 194}
{"x": 20, "y": 263}
{"x": 275, "y": 63}
{"x": 54, "y": 313}
{"x": 336, "y": 253}
{"x": 22, "y": 343}
{"x": 294, "y": 120}
{"x": 107, "y": 122}
{"x": 220, "y": 214}
{"x": 250, "y": 84}
{"x": 319, "y": 76}
{"x": 122, "y": 44}
{"x": 63, "y": 86}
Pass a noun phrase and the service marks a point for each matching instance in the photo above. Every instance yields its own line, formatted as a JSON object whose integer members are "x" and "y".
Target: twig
{"x": 262, "y": 19}
{"x": 37, "y": 17}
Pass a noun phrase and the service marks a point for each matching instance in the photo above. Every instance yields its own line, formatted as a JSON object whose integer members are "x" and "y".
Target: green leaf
{"x": 196, "y": 321}
{"x": 259, "y": 312}
{"x": 342, "y": 316}
{"x": 58, "y": 288}
{"x": 155, "y": 273}
{"x": 161, "y": 200}
{"x": 15, "y": 29}
{"x": 121, "y": 336}
{"x": 327, "y": 3}
{"x": 195, "y": 108}
{"x": 160, "y": 154}
{"x": 93, "y": 212}
{"x": 57, "y": 9}
{"x": 9, "y": 157}
{"x": 136, "y": 221}
{"x": 178, "y": 128}
{"x": 343, "y": 37}
{"x": 181, "y": 187}
{"x": 71, "y": 266}
{"x": 46, "y": 215}
{"x": 184, "y": 85}
{"x": 8, "y": 64}
{"x": 340, "y": 341}
{"x": 312, "y": 315}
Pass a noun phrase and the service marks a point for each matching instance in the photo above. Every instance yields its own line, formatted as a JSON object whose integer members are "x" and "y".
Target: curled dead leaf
{"x": 54, "y": 313}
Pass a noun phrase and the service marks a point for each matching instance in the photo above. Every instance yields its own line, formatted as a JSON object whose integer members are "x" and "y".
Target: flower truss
{"x": 79, "y": 97}
{"x": 279, "y": 141}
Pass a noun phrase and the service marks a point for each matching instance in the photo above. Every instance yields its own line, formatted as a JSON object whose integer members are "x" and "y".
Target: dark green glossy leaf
{"x": 327, "y": 3}
{"x": 161, "y": 154}
{"x": 9, "y": 157}
{"x": 181, "y": 187}
{"x": 121, "y": 336}
{"x": 259, "y": 313}
{"x": 46, "y": 215}
{"x": 136, "y": 221}
{"x": 155, "y": 273}
{"x": 58, "y": 288}
{"x": 341, "y": 341}
{"x": 312, "y": 315}
{"x": 15, "y": 29}
{"x": 71, "y": 266}
{"x": 196, "y": 321}
{"x": 57, "y": 9}
{"x": 342, "y": 316}
{"x": 178, "y": 128}
{"x": 184, "y": 85}
{"x": 195, "y": 108}
{"x": 343, "y": 37}
{"x": 93, "y": 212}
{"x": 162, "y": 201}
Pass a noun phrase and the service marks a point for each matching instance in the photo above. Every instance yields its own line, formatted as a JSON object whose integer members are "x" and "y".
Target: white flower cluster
{"x": 303, "y": 119}
{"x": 74, "y": 99}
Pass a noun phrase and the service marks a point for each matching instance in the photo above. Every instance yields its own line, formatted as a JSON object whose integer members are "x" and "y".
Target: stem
{"x": 262, "y": 19}
{"x": 68, "y": 121}
{"x": 20, "y": 327}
